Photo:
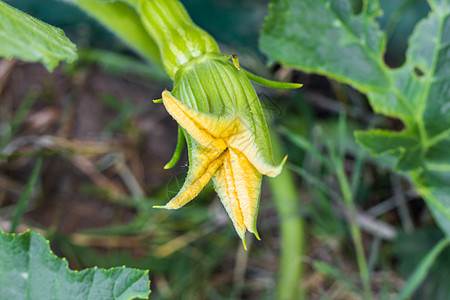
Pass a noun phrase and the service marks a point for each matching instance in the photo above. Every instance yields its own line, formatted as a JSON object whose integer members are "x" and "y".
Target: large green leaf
{"x": 29, "y": 39}
{"x": 326, "y": 37}
{"x": 29, "y": 270}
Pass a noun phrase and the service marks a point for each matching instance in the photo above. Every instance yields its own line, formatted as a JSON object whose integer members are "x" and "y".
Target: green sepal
{"x": 270, "y": 83}
{"x": 259, "y": 80}
{"x": 178, "y": 150}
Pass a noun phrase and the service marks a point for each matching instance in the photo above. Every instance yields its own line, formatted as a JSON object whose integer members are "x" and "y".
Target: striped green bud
{"x": 178, "y": 38}
{"x": 227, "y": 137}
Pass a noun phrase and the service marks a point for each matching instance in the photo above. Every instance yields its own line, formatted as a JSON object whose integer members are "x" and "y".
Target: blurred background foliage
{"x": 104, "y": 145}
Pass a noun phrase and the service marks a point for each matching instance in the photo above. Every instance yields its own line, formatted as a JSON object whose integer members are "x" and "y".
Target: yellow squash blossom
{"x": 227, "y": 137}
{"x": 214, "y": 103}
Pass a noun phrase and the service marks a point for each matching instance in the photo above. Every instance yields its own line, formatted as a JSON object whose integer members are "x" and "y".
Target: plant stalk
{"x": 286, "y": 198}
{"x": 354, "y": 230}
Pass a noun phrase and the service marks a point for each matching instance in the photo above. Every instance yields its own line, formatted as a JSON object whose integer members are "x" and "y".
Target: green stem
{"x": 286, "y": 198}
{"x": 354, "y": 229}
{"x": 178, "y": 38}
{"x": 421, "y": 272}
{"x": 23, "y": 201}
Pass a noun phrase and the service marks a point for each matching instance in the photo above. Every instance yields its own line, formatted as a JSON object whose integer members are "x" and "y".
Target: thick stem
{"x": 286, "y": 198}
{"x": 178, "y": 38}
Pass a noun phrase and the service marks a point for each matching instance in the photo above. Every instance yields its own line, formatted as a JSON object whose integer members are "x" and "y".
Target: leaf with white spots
{"x": 29, "y": 270}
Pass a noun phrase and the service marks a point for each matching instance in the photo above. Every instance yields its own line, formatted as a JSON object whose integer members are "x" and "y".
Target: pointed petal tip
{"x": 167, "y": 206}
{"x": 276, "y": 171}
{"x": 158, "y": 206}
{"x": 243, "y": 242}
{"x": 168, "y": 166}
{"x": 252, "y": 229}
{"x": 158, "y": 101}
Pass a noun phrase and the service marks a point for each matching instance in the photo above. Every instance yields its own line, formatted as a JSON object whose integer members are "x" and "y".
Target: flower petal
{"x": 247, "y": 183}
{"x": 225, "y": 187}
{"x": 245, "y": 142}
{"x": 204, "y": 164}
{"x": 207, "y": 129}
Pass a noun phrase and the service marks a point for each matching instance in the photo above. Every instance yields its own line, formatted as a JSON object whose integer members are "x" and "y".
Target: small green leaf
{"x": 395, "y": 143}
{"x": 29, "y": 39}
{"x": 29, "y": 270}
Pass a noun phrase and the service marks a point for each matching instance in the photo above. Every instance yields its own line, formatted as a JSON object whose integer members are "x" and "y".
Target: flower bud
{"x": 227, "y": 136}
{"x": 218, "y": 111}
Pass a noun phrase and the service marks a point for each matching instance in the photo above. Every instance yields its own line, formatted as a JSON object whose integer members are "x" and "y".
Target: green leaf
{"x": 123, "y": 21}
{"x": 394, "y": 143}
{"x": 420, "y": 97}
{"x": 325, "y": 37}
{"x": 29, "y": 270}
{"x": 29, "y": 39}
